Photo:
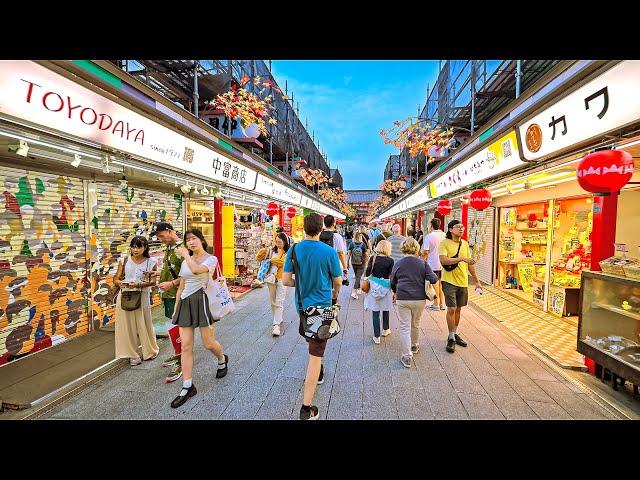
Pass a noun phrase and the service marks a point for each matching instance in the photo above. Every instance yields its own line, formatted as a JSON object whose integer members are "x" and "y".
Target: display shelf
{"x": 521, "y": 263}
{"x": 538, "y": 229}
{"x": 618, "y": 310}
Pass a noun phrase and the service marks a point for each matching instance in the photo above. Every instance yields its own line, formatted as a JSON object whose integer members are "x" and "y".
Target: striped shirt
{"x": 396, "y": 242}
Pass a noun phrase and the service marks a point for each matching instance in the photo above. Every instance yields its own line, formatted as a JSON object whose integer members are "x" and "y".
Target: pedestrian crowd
{"x": 389, "y": 269}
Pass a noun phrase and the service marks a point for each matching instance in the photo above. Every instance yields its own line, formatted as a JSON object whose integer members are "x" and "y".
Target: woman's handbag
{"x": 264, "y": 269}
{"x": 365, "y": 285}
{"x": 130, "y": 300}
{"x": 450, "y": 268}
{"x": 271, "y": 276}
{"x": 316, "y": 322}
{"x": 429, "y": 290}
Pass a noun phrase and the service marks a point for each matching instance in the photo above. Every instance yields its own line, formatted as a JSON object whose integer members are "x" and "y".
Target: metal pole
{"x": 518, "y": 75}
{"x": 473, "y": 96}
{"x": 196, "y": 94}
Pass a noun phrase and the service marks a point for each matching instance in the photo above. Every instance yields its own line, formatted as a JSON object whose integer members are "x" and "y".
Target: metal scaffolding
{"x": 190, "y": 84}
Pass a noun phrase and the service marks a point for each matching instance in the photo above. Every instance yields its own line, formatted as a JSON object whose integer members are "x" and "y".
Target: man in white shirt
{"x": 430, "y": 253}
{"x": 335, "y": 240}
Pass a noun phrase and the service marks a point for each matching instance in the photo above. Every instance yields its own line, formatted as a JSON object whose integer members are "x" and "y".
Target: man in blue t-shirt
{"x": 320, "y": 278}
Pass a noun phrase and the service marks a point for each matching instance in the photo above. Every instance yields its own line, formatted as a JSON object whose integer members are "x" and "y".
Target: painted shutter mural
{"x": 116, "y": 216}
{"x": 43, "y": 266}
{"x": 481, "y": 233}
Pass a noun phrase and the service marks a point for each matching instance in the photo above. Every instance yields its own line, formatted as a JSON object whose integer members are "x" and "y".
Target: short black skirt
{"x": 194, "y": 311}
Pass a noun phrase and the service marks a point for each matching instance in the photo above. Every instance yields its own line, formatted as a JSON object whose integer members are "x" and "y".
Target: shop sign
{"x": 606, "y": 103}
{"x": 31, "y": 92}
{"x": 271, "y": 188}
{"x": 499, "y": 157}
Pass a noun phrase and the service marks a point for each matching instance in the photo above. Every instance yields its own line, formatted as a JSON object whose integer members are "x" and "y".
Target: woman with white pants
{"x": 408, "y": 279}
{"x": 273, "y": 279}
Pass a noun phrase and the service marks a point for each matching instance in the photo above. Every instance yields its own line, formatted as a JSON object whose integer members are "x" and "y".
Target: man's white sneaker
{"x": 386, "y": 333}
{"x": 276, "y": 331}
{"x": 376, "y": 340}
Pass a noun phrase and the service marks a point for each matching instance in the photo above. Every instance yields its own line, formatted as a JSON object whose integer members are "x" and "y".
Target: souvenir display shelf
{"x": 609, "y": 323}
{"x": 247, "y": 243}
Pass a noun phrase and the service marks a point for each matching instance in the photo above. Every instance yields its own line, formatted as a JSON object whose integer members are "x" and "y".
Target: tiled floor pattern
{"x": 549, "y": 334}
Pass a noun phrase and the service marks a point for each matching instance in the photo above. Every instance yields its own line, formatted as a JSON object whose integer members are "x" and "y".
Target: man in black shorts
{"x": 320, "y": 278}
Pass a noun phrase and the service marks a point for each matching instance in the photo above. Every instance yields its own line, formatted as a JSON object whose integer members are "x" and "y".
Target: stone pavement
{"x": 495, "y": 377}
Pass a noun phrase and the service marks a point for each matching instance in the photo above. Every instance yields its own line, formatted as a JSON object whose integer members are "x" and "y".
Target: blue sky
{"x": 347, "y": 102}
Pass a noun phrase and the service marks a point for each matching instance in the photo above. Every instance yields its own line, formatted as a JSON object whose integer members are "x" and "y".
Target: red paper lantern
{"x": 606, "y": 171}
{"x": 444, "y": 207}
{"x": 480, "y": 199}
{"x": 291, "y": 212}
{"x": 272, "y": 208}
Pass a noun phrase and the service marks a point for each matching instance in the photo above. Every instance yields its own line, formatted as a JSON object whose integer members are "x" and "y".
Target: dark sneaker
{"x": 309, "y": 413}
{"x": 222, "y": 371}
{"x": 405, "y": 361}
{"x": 460, "y": 341}
{"x": 180, "y": 400}
{"x": 415, "y": 349}
{"x": 321, "y": 376}
{"x": 451, "y": 345}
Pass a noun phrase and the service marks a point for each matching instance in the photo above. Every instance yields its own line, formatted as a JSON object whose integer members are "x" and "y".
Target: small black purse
{"x": 450, "y": 268}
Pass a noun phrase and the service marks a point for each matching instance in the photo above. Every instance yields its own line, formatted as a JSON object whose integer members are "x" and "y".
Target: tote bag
{"x": 221, "y": 303}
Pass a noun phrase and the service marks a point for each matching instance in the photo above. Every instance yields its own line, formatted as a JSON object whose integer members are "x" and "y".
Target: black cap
{"x": 163, "y": 227}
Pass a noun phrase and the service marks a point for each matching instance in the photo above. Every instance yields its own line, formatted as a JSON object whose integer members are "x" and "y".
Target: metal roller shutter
{"x": 116, "y": 215}
{"x": 43, "y": 266}
{"x": 481, "y": 240}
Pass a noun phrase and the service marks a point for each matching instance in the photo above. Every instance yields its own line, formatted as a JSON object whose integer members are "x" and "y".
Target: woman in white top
{"x": 192, "y": 309}
{"x": 134, "y": 273}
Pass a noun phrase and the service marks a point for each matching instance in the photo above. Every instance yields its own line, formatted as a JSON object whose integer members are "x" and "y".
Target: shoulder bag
{"x": 130, "y": 300}
{"x": 365, "y": 285}
{"x": 450, "y": 268}
{"x": 316, "y": 322}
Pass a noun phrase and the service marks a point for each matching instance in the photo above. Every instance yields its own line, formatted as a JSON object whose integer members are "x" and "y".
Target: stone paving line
{"x": 493, "y": 378}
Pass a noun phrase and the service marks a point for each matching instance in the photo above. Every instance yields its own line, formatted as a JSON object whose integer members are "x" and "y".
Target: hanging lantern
{"x": 480, "y": 199}
{"x": 444, "y": 207}
{"x": 291, "y": 212}
{"x": 606, "y": 171}
{"x": 272, "y": 208}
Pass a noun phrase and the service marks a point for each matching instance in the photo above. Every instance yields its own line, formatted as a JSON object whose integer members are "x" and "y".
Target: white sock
{"x": 452, "y": 335}
{"x": 222, "y": 364}
{"x": 185, "y": 384}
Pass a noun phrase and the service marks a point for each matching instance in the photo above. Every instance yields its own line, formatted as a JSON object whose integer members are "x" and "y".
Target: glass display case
{"x": 609, "y": 323}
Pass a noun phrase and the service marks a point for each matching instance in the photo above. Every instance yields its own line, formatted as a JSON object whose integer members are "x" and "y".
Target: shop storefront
{"x": 82, "y": 174}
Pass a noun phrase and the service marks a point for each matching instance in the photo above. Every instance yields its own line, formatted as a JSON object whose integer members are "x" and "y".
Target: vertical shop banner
{"x": 43, "y": 262}
{"x": 228, "y": 242}
{"x": 481, "y": 241}
{"x": 32, "y": 92}
{"x": 608, "y": 102}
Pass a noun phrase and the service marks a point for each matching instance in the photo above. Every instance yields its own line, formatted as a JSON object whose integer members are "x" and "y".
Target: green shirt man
{"x": 171, "y": 264}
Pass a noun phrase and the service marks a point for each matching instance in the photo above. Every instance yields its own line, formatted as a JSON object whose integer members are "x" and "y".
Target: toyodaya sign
{"x": 499, "y": 157}
{"x": 608, "y": 102}
{"x": 31, "y": 92}
{"x": 271, "y": 188}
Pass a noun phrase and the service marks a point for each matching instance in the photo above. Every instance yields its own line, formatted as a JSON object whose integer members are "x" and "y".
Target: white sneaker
{"x": 354, "y": 295}
{"x": 406, "y": 361}
{"x": 386, "y": 333}
{"x": 135, "y": 361}
{"x": 276, "y": 331}
{"x": 376, "y": 340}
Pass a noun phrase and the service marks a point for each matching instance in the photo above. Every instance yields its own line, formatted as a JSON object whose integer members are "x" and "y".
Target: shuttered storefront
{"x": 481, "y": 240}
{"x": 116, "y": 215}
{"x": 43, "y": 267}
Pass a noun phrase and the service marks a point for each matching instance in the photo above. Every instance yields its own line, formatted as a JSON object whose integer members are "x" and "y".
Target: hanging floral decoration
{"x": 393, "y": 187}
{"x": 349, "y": 210}
{"x": 333, "y": 195}
{"x": 313, "y": 177}
{"x": 417, "y": 136}
{"x": 247, "y": 106}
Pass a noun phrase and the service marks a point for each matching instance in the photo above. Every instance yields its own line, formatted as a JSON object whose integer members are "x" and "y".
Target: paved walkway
{"x": 493, "y": 378}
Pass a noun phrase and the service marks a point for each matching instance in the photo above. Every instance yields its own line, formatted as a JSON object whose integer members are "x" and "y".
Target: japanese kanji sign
{"x": 608, "y": 102}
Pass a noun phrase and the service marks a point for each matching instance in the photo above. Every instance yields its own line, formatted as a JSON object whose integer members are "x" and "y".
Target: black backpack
{"x": 357, "y": 254}
{"x": 327, "y": 237}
